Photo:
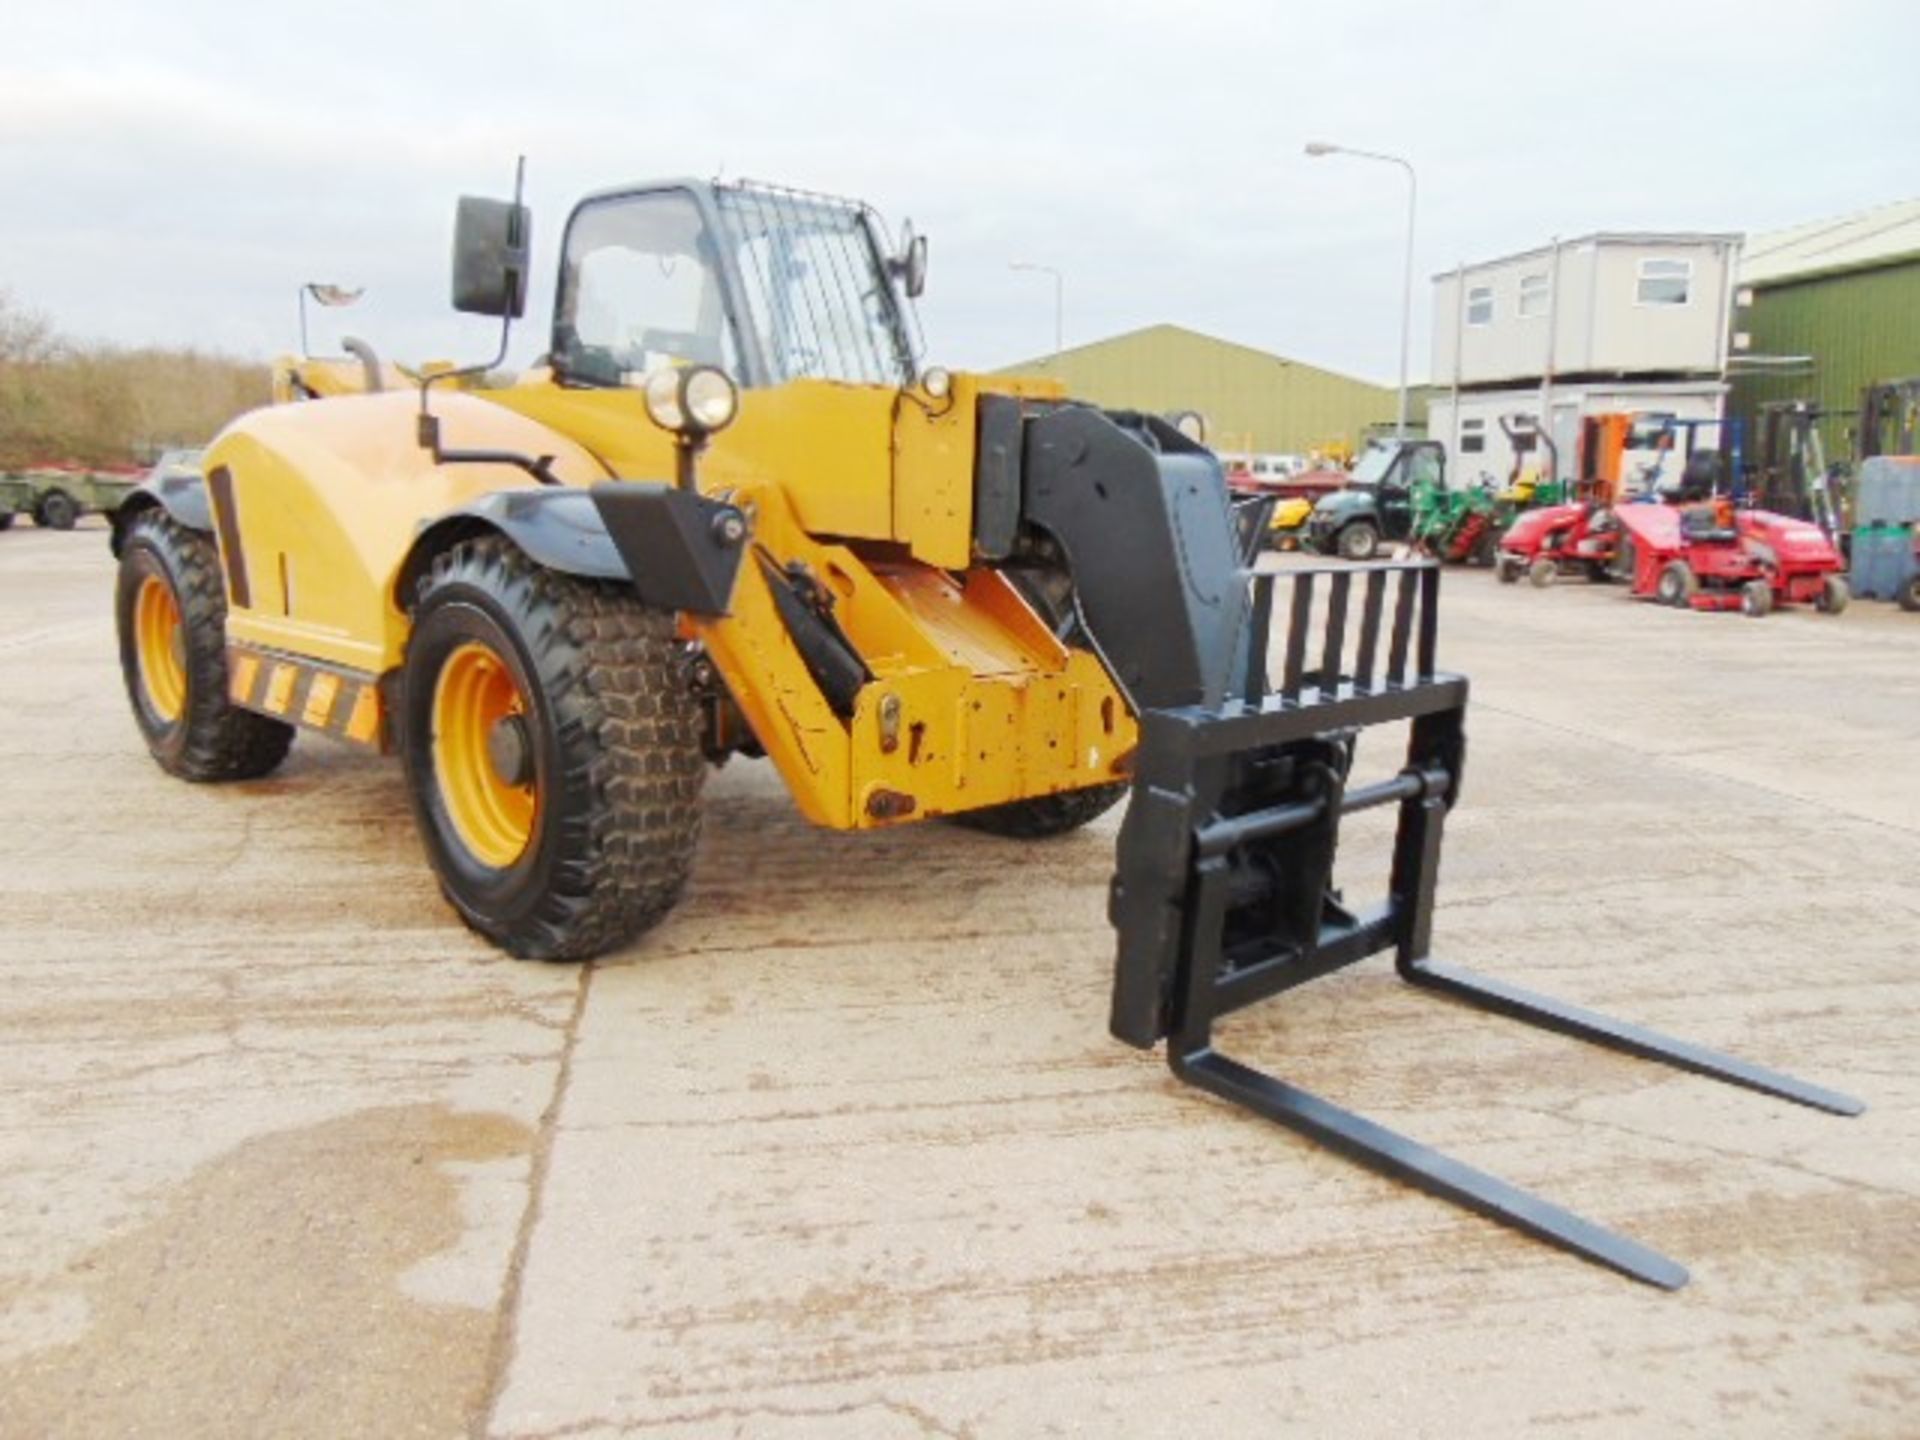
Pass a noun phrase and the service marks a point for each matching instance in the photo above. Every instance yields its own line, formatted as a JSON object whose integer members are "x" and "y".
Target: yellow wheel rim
{"x": 159, "y": 644}
{"x": 493, "y": 816}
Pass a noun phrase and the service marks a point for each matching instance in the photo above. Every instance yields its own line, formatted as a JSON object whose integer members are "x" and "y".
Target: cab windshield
{"x": 770, "y": 285}
{"x": 1372, "y": 466}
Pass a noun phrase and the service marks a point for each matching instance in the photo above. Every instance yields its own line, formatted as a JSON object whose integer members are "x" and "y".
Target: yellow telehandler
{"x": 730, "y": 511}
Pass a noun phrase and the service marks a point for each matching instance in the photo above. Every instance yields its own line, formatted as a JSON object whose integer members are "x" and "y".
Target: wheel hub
{"x": 483, "y": 755}
{"x": 510, "y": 750}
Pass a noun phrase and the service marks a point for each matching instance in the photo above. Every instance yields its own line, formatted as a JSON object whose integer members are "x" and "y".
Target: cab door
{"x": 1421, "y": 466}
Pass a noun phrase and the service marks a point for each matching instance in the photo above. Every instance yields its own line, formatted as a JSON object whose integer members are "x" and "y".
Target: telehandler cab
{"x": 731, "y": 513}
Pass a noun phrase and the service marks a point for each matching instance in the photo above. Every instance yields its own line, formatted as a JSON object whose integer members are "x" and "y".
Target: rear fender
{"x": 183, "y": 497}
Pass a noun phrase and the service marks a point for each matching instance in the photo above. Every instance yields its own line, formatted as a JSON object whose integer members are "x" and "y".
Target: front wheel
{"x": 1910, "y": 595}
{"x": 1677, "y": 584}
{"x": 1543, "y": 572}
{"x": 1044, "y": 816}
{"x": 1833, "y": 596}
{"x": 1756, "y": 598}
{"x": 1359, "y": 541}
{"x": 552, "y": 750}
{"x": 1507, "y": 568}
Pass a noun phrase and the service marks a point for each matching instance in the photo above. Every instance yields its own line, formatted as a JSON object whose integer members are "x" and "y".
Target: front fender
{"x": 679, "y": 550}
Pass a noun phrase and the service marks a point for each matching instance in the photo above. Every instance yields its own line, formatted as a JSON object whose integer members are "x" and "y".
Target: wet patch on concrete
{"x": 266, "y": 1298}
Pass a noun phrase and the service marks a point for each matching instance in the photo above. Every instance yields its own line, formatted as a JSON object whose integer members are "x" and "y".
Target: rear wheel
{"x": 1359, "y": 541}
{"x": 1507, "y": 568}
{"x": 1833, "y": 596}
{"x": 552, "y": 750}
{"x": 1677, "y": 584}
{"x": 56, "y": 510}
{"x": 6, "y": 519}
{"x": 1756, "y": 598}
{"x": 171, "y": 607}
{"x": 1044, "y": 816}
{"x": 1910, "y": 595}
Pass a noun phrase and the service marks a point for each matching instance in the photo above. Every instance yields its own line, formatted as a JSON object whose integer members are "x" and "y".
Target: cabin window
{"x": 1665, "y": 282}
{"x": 1473, "y": 436}
{"x": 1480, "y": 305}
{"x": 1534, "y": 290}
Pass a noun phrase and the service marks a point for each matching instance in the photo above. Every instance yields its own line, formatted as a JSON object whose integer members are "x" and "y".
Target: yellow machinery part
{"x": 1291, "y": 514}
{"x": 493, "y": 817}
{"x": 326, "y": 498}
{"x": 159, "y": 642}
{"x": 973, "y": 701}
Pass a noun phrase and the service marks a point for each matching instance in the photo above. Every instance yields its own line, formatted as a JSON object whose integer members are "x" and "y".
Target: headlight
{"x": 693, "y": 402}
{"x": 663, "y": 400}
{"x": 708, "y": 398}
{"x": 937, "y": 382}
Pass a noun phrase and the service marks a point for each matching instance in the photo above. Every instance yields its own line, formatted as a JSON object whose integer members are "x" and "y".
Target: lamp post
{"x": 1318, "y": 148}
{"x": 1059, "y": 301}
{"x": 330, "y": 295}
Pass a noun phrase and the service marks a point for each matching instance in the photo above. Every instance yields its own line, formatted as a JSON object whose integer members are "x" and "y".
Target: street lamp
{"x": 1318, "y": 148}
{"x": 1059, "y": 301}
{"x": 330, "y": 295}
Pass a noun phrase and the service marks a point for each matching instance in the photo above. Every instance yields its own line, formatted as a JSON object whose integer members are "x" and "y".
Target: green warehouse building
{"x": 1254, "y": 402}
{"x": 1832, "y": 306}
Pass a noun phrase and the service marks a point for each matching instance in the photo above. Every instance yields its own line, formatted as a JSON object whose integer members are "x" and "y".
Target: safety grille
{"x": 820, "y": 294}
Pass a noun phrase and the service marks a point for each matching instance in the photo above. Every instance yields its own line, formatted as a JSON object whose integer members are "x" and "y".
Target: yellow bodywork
{"x": 972, "y": 702}
{"x": 1290, "y": 514}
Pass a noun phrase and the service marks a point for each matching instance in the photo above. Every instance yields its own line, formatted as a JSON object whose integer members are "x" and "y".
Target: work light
{"x": 692, "y": 402}
{"x": 663, "y": 400}
{"x": 708, "y": 399}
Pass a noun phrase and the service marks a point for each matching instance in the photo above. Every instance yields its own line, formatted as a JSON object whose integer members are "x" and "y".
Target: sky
{"x": 173, "y": 172}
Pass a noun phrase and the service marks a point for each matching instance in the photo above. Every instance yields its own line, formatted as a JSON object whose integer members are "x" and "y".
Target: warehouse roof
{"x": 1129, "y": 337}
{"x": 1850, "y": 242}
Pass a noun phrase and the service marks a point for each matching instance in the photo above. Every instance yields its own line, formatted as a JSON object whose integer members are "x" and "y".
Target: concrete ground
{"x": 843, "y": 1149}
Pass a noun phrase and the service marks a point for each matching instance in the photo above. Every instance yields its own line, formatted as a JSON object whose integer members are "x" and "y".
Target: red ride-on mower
{"x": 1709, "y": 557}
{"x": 1579, "y": 537}
{"x": 1555, "y": 539}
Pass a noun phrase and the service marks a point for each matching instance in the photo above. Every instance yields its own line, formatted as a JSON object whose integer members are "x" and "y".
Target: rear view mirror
{"x": 911, "y": 263}
{"x": 492, "y": 241}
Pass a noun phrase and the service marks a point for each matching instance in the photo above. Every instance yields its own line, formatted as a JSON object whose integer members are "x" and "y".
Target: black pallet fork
{"x": 1224, "y": 892}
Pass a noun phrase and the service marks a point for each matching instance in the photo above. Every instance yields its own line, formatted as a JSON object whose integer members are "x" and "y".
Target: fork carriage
{"x": 1224, "y": 891}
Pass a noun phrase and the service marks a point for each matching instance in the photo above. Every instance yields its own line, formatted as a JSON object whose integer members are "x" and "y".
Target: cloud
{"x": 175, "y": 172}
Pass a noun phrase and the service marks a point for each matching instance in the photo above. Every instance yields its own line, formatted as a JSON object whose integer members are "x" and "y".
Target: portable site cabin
{"x": 1605, "y": 323}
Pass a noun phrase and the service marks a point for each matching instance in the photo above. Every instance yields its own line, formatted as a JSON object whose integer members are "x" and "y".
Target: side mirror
{"x": 492, "y": 242}
{"x": 911, "y": 263}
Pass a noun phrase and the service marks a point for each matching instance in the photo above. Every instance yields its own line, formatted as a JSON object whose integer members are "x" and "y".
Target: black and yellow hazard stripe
{"x": 329, "y": 698}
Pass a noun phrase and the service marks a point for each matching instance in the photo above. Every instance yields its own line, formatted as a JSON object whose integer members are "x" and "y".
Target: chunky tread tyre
{"x": 210, "y": 739}
{"x": 615, "y": 741}
{"x": 1044, "y": 816}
